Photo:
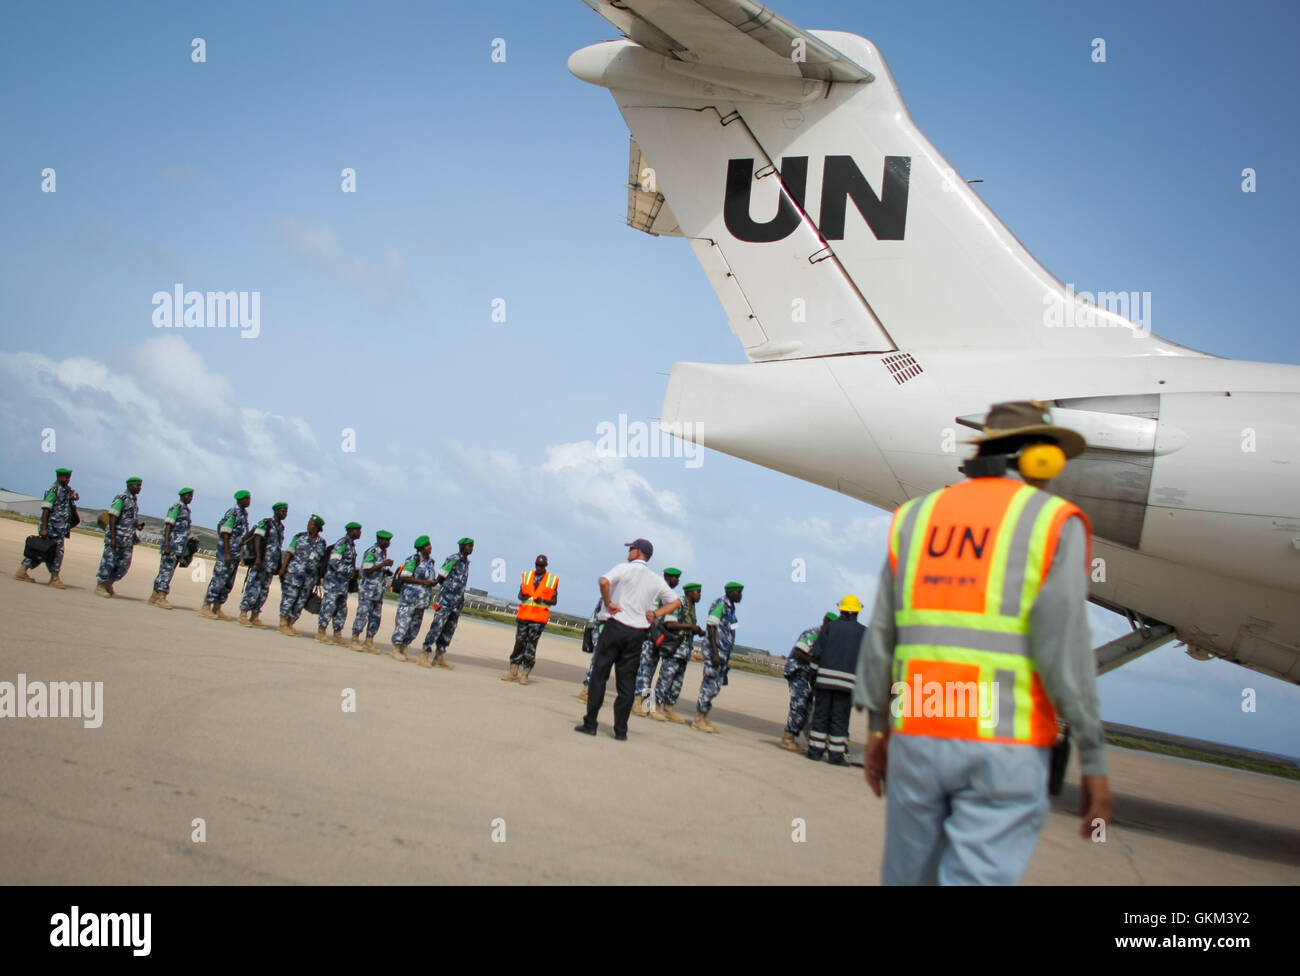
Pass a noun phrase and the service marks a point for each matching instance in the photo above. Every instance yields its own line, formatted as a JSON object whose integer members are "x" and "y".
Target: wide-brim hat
{"x": 1010, "y": 426}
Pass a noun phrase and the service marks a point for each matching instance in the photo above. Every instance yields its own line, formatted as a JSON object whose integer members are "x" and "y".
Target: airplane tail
{"x": 825, "y": 220}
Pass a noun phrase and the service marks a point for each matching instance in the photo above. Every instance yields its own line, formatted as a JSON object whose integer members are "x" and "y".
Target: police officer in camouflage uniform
{"x": 717, "y": 653}
{"x": 340, "y": 570}
{"x": 300, "y": 567}
{"x": 453, "y": 576}
{"x": 119, "y": 539}
{"x": 232, "y": 529}
{"x": 375, "y": 575}
{"x": 676, "y": 650}
{"x": 267, "y": 541}
{"x": 799, "y": 674}
{"x": 56, "y": 524}
{"x": 645, "y": 672}
{"x": 597, "y": 621}
{"x": 417, "y": 578}
{"x": 176, "y": 534}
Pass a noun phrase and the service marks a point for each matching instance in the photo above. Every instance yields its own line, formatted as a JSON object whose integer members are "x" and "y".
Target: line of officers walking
{"x": 315, "y": 576}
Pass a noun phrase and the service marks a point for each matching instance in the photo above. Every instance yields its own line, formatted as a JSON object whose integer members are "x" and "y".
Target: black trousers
{"x": 830, "y": 722}
{"x": 619, "y": 647}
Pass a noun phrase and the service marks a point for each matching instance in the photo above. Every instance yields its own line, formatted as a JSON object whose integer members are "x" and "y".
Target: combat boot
{"x": 356, "y": 643}
{"x": 206, "y": 611}
{"x": 440, "y": 661}
{"x": 108, "y": 585}
{"x": 219, "y": 613}
{"x": 638, "y": 705}
{"x": 837, "y": 759}
{"x": 57, "y": 583}
{"x": 369, "y": 645}
{"x": 703, "y": 724}
{"x": 582, "y": 695}
{"x": 243, "y": 619}
{"x": 321, "y": 635}
{"x": 426, "y": 659}
{"x": 163, "y": 603}
{"x": 286, "y": 627}
{"x": 523, "y": 676}
{"x": 512, "y": 674}
{"x": 670, "y": 715}
{"x": 153, "y": 599}
{"x": 398, "y": 653}
{"x": 21, "y": 574}
{"x": 788, "y": 743}
{"x": 338, "y": 639}
{"x": 256, "y": 620}
{"x": 101, "y": 590}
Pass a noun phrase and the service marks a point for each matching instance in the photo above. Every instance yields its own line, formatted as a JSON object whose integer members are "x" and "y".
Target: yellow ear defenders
{"x": 1041, "y": 461}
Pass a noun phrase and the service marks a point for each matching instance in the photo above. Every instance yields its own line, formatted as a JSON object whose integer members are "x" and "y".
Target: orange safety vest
{"x": 968, "y": 562}
{"x": 531, "y": 610}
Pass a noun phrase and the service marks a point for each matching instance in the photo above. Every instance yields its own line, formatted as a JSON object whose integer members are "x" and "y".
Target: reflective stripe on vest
{"x": 530, "y": 610}
{"x": 968, "y": 562}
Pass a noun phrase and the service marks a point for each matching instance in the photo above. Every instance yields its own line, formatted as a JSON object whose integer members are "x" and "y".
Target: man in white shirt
{"x": 628, "y": 593}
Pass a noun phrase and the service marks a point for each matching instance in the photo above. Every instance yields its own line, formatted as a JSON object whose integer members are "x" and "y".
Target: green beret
{"x": 352, "y": 525}
{"x": 240, "y": 494}
{"x": 832, "y": 615}
{"x": 383, "y": 534}
{"x": 63, "y": 471}
{"x": 670, "y": 571}
{"x": 421, "y": 542}
{"x": 692, "y": 586}
{"x": 185, "y": 491}
{"x": 135, "y": 481}
{"x": 320, "y": 522}
{"x": 734, "y": 586}
{"x": 467, "y": 541}
{"x": 279, "y": 505}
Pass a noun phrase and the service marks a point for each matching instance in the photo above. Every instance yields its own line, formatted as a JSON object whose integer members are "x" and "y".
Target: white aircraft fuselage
{"x": 884, "y": 308}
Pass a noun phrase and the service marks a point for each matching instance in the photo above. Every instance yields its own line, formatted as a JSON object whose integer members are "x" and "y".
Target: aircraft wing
{"x": 737, "y": 35}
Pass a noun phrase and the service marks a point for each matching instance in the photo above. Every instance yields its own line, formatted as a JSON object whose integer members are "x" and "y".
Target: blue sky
{"x": 479, "y": 180}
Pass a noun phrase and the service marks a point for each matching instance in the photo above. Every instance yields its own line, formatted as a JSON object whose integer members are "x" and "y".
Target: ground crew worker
{"x": 538, "y": 591}
{"x": 339, "y": 571}
{"x": 717, "y": 653}
{"x": 300, "y": 567}
{"x": 982, "y": 596}
{"x": 267, "y": 541}
{"x": 835, "y": 657}
{"x": 453, "y": 576}
{"x": 417, "y": 578}
{"x": 676, "y": 652}
{"x": 56, "y": 524}
{"x": 232, "y": 529}
{"x": 119, "y": 539}
{"x": 627, "y": 594}
{"x": 375, "y": 576}
{"x": 176, "y": 534}
{"x": 799, "y": 674}
{"x": 645, "y": 672}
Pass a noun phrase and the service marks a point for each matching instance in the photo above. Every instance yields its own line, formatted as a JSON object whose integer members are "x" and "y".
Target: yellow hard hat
{"x": 851, "y": 604}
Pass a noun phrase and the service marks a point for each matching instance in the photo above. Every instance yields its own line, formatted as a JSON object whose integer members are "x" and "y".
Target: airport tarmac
{"x": 458, "y": 777}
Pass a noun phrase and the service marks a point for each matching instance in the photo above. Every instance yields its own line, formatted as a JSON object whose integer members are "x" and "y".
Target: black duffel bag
{"x": 40, "y": 550}
{"x": 312, "y": 605}
{"x": 191, "y": 547}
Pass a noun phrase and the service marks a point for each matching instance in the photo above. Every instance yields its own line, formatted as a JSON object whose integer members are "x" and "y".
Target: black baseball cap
{"x": 647, "y": 550}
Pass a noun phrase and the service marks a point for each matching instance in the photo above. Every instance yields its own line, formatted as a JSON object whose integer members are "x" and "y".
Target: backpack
{"x": 191, "y": 547}
{"x": 396, "y": 584}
